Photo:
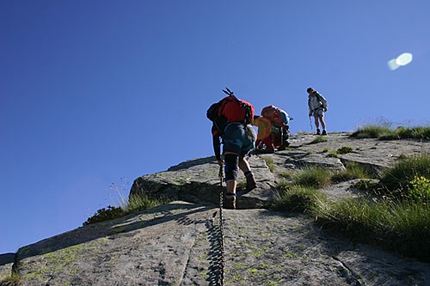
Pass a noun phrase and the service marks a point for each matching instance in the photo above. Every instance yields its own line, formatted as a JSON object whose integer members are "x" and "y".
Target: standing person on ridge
{"x": 317, "y": 106}
{"x": 231, "y": 117}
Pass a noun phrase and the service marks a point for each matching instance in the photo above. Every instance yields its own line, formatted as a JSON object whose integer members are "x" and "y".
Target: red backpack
{"x": 275, "y": 115}
{"x": 230, "y": 109}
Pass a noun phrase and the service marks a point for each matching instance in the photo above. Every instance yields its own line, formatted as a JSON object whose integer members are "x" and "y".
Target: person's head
{"x": 310, "y": 90}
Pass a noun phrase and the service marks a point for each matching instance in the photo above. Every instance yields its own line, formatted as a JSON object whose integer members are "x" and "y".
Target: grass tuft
{"x": 396, "y": 182}
{"x": 385, "y": 132}
{"x": 12, "y": 280}
{"x": 403, "y": 228}
{"x": 353, "y": 171}
{"x": 134, "y": 204}
{"x": 299, "y": 199}
{"x": 319, "y": 139}
{"x": 315, "y": 177}
{"x": 344, "y": 150}
{"x": 269, "y": 162}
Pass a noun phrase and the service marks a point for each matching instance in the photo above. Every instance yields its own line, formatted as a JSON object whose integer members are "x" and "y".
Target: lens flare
{"x": 400, "y": 61}
{"x": 392, "y": 64}
{"x": 404, "y": 59}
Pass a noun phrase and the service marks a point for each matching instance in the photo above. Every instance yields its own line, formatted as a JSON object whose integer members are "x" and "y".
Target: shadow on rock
{"x": 111, "y": 229}
{"x": 6, "y": 258}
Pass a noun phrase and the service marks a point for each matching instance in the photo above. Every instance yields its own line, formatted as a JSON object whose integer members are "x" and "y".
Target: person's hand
{"x": 325, "y": 109}
{"x": 220, "y": 162}
{"x": 310, "y": 114}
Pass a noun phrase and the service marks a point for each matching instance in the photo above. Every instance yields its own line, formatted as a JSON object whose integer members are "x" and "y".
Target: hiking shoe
{"x": 250, "y": 182}
{"x": 324, "y": 132}
{"x": 269, "y": 150}
{"x": 230, "y": 201}
{"x": 265, "y": 151}
{"x": 318, "y": 132}
{"x": 283, "y": 146}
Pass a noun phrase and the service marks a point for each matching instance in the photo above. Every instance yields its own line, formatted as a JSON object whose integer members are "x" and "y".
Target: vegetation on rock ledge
{"x": 393, "y": 213}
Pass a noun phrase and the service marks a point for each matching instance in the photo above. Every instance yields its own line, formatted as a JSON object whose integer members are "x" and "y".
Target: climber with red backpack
{"x": 231, "y": 118}
{"x": 277, "y": 133}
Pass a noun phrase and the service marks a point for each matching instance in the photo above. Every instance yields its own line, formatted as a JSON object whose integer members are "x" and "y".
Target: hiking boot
{"x": 283, "y": 146}
{"x": 324, "y": 132}
{"x": 318, "y": 132}
{"x": 230, "y": 201}
{"x": 250, "y": 182}
{"x": 269, "y": 150}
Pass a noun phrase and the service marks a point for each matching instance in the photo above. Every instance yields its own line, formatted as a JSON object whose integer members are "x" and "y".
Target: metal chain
{"x": 221, "y": 228}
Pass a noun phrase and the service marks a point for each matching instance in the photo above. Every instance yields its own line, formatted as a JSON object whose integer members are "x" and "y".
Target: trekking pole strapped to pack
{"x": 228, "y": 91}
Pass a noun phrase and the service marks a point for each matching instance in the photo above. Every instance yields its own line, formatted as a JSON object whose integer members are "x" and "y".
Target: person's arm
{"x": 216, "y": 142}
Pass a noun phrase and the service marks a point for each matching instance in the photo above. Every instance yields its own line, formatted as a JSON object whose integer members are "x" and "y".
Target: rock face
{"x": 179, "y": 243}
{"x": 197, "y": 180}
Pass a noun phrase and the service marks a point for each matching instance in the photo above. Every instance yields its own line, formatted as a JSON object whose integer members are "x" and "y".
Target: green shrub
{"x": 420, "y": 190}
{"x": 105, "y": 214}
{"x": 134, "y": 204}
{"x": 344, "y": 150}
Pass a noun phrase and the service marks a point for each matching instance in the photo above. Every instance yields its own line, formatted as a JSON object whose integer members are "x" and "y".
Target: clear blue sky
{"x": 100, "y": 92}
